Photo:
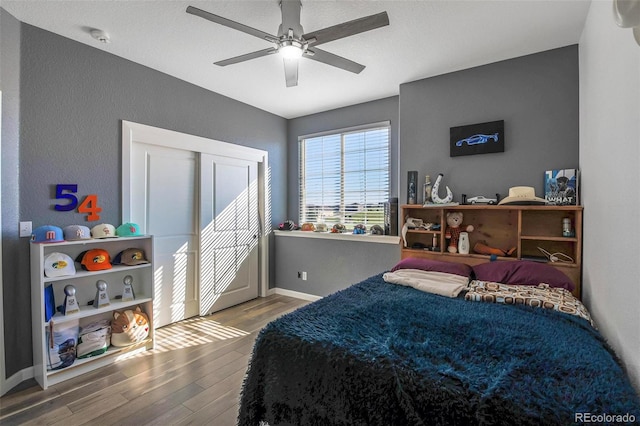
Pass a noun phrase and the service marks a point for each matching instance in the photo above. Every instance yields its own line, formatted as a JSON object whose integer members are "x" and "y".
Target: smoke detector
{"x": 101, "y": 36}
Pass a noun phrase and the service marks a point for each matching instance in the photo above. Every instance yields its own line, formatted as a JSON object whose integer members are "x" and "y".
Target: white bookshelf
{"x": 85, "y": 284}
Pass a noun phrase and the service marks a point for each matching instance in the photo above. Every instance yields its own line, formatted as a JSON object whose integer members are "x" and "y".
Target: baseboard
{"x": 16, "y": 379}
{"x": 296, "y": 294}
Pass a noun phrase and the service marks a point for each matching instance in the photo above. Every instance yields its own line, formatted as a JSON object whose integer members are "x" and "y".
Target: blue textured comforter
{"x": 382, "y": 354}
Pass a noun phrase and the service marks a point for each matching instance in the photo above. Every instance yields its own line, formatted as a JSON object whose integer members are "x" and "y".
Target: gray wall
{"x": 330, "y": 265}
{"x": 72, "y": 100}
{"x": 15, "y": 255}
{"x": 536, "y": 96}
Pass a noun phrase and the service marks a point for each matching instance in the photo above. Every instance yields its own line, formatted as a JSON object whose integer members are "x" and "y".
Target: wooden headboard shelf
{"x": 524, "y": 227}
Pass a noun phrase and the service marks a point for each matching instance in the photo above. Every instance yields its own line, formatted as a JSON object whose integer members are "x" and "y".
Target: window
{"x": 344, "y": 176}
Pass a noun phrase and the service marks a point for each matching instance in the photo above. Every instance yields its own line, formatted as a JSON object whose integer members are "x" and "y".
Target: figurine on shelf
{"x": 434, "y": 192}
{"x": 102, "y": 297}
{"x": 426, "y": 190}
{"x": 414, "y": 223}
{"x": 70, "y": 302}
{"x": 127, "y": 289}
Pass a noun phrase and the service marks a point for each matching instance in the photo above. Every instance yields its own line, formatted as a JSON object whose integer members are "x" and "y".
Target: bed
{"x": 383, "y": 353}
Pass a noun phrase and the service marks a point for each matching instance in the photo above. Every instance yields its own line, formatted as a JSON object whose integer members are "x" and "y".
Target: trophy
{"x": 127, "y": 289}
{"x": 70, "y": 302}
{"x": 102, "y": 297}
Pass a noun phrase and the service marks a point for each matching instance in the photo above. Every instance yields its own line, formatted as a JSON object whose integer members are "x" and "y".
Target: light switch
{"x": 25, "y": 229}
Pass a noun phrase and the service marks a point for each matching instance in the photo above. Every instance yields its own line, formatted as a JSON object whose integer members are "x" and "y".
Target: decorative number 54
{"x": 89, "y": 204}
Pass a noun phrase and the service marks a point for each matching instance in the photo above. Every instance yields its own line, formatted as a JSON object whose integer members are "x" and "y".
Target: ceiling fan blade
{"x": 290, "y": 18}
{"x": 347, "y": 29}
{"x": 291, "y": 71}
{"x": 334, "y": 60}
{"x": 246, "y": 57}
{"x": 231, "y": 24}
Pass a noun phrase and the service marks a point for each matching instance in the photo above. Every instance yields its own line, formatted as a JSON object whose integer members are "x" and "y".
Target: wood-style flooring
{"x": 193, "y": 376}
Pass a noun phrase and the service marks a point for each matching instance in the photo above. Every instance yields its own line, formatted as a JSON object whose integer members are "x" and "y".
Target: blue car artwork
{"x": 477, "y": 139}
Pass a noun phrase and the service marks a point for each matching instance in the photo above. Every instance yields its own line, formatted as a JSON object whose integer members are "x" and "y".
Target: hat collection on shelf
{"x": 55, "y": 234}
{"x": 97, "y": 259}
{"x": 61, "y": 265}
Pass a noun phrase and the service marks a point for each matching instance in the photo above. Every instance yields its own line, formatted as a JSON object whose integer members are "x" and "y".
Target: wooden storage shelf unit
{"x": 525, "y": 228}
{"x": 85, "y": 285}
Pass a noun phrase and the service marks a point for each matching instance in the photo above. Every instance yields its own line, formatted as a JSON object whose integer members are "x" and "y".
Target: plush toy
{"x": 454, "y": 228}
{"x": 129, "y": 327}
{"x": 308, "y": 226}
{"x": 360, "y": 229}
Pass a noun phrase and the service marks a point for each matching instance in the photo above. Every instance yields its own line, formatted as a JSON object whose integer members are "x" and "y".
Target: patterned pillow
{"x": 541, "y": 296}
{"x": 434, "y": 265}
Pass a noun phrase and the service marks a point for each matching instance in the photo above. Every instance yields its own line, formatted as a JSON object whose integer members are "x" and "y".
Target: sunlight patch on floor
{"x": 193, "y": 332}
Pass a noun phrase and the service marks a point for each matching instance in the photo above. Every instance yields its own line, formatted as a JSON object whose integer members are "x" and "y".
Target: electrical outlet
{"x": 304, "y": 276}
{"x": 26, "y": 229}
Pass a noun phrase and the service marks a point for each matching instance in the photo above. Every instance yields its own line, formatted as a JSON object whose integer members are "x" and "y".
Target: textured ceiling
{"x": 424, "y": 38}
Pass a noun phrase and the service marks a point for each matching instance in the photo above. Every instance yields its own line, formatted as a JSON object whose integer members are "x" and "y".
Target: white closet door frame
{"x": 132, "y": 132}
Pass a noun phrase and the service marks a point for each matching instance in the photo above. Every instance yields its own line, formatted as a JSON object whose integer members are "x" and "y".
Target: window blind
{"x": 344, "y": 176}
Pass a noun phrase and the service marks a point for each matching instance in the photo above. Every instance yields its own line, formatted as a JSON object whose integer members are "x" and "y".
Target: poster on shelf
{"x": 561, "y": 187}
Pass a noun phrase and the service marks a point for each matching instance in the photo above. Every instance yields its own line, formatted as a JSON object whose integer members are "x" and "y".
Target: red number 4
{"x": 90, "y": 206}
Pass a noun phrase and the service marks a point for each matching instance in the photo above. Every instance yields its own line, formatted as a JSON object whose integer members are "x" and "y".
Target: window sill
{"x": 361, "y": 238}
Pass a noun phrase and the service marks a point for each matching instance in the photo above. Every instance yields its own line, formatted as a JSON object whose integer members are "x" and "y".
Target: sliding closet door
{"x": 164, "y": 185}
{"x": 229, "y": 232}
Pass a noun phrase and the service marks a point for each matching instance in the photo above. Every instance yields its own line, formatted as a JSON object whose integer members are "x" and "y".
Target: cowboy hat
{"x": 523, "y": 195}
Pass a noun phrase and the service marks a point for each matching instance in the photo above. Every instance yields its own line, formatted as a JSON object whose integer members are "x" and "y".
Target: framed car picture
{"x": 482, "y": 138}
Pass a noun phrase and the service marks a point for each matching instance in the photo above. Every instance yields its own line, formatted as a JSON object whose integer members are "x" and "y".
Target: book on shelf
{"x": 561, "y": 187}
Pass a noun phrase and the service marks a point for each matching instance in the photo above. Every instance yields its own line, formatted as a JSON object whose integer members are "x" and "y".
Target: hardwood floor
{"x": 192, "y": 376}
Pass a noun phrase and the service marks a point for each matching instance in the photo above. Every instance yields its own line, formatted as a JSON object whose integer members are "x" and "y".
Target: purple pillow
{"x": 434, "y": 265}
{"x": 522, "y": 272}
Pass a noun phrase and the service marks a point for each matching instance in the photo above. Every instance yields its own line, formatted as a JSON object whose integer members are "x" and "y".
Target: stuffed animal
{"x": 129, "y": 327}
{"x": 454, "y": 228}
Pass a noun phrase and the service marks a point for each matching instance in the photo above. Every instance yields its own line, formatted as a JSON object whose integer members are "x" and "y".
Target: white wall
{"x": 610, "y": 164}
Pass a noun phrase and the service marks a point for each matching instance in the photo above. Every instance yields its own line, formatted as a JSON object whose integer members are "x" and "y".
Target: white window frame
{"x": 341, "y": 132}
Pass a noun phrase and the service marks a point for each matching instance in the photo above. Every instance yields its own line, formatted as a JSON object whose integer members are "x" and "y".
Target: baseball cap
{"x": 47, "y": 234}
{"x": 76, "y": 232}
{"x": 58, "y": 265}
{"x": 94, "y": 260}
{"x": 131, "y": 257}
{"x": 128, "y": 230}
{"x": 104, "y": 230}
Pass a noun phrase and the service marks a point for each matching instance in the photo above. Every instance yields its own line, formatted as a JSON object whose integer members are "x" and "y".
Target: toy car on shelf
{"x": 480, "y": 199}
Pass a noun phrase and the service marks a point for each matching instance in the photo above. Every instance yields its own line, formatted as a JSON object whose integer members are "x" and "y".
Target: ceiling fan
{"x": 292, "y": 43}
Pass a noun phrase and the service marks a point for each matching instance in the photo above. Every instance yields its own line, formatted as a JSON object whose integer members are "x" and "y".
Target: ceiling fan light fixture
{"x": 290, "y": 49}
